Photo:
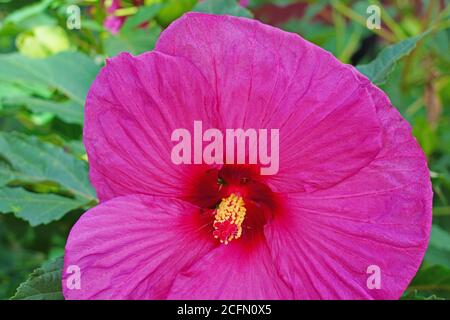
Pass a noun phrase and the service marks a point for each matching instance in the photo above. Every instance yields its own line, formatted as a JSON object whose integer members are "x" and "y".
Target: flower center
{"x": 228, "y": 219}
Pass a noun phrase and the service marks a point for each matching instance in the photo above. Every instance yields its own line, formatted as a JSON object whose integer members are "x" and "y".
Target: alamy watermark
{"x": 373, "y": 21}
{"x": 73, "y": 21}
{"x": 374, "y": 279}
{"x": 233, "y": 146}
{"x": 73, "y": 281}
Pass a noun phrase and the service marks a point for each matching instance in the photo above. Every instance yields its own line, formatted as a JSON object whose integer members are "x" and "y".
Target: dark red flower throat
{"x": 236, "y": 201}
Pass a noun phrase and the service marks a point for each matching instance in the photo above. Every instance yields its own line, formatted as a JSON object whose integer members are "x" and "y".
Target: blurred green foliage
{"x": 48, "y": 61}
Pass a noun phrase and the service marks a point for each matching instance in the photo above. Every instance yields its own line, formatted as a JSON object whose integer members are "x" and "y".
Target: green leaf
{"x": 36, "y": 208}
{"x": 434, "y": 279}
{"x": 133, "y": 41}
{"x": 279, "y": 3}
{"x": 69, "y": 72}
{"x": 228, "y": 7}
{"x": 439, "y": 247}
{"x": 440, "y": 238}
{"x": 6, "y": 173}
{"x": 68, "y": 111}
{"x": 76, "y": 147}
{"x": 11, "y": 91}
{"x": 378, "y": 69}
{"x": 27, "y": 12}
{"x": 32, "y": 160}
{"x": 173, "y": 9}
{"x": 144, "y": 14}
{"x": 43, "y": 284}
{"x": 416, "y": 295}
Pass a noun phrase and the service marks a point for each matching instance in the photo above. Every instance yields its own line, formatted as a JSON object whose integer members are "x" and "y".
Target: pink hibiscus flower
{"x": 352, "y": 191}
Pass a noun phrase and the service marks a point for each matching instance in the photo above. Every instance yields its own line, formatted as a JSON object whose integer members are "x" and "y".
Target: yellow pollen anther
{"x": 229, "y": 218}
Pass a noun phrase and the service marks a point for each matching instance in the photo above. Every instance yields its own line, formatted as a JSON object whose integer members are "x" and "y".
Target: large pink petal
{"x": 270, "y": 79}
{"x": 131, "y": 111}
{"x": 132, "y": 247}
{"x": 239, "y": 270}
{"x": 380, "y": 216}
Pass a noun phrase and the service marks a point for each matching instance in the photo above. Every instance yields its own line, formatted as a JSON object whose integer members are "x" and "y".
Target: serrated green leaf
{"x": 43, "y": 284}
{"x": 378, "y": 69}
{"x": 32, "y": 160}
{"x": 69, "y": 72}
{"x": 228, "y": 7}
{"x": 36, "y": 208}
